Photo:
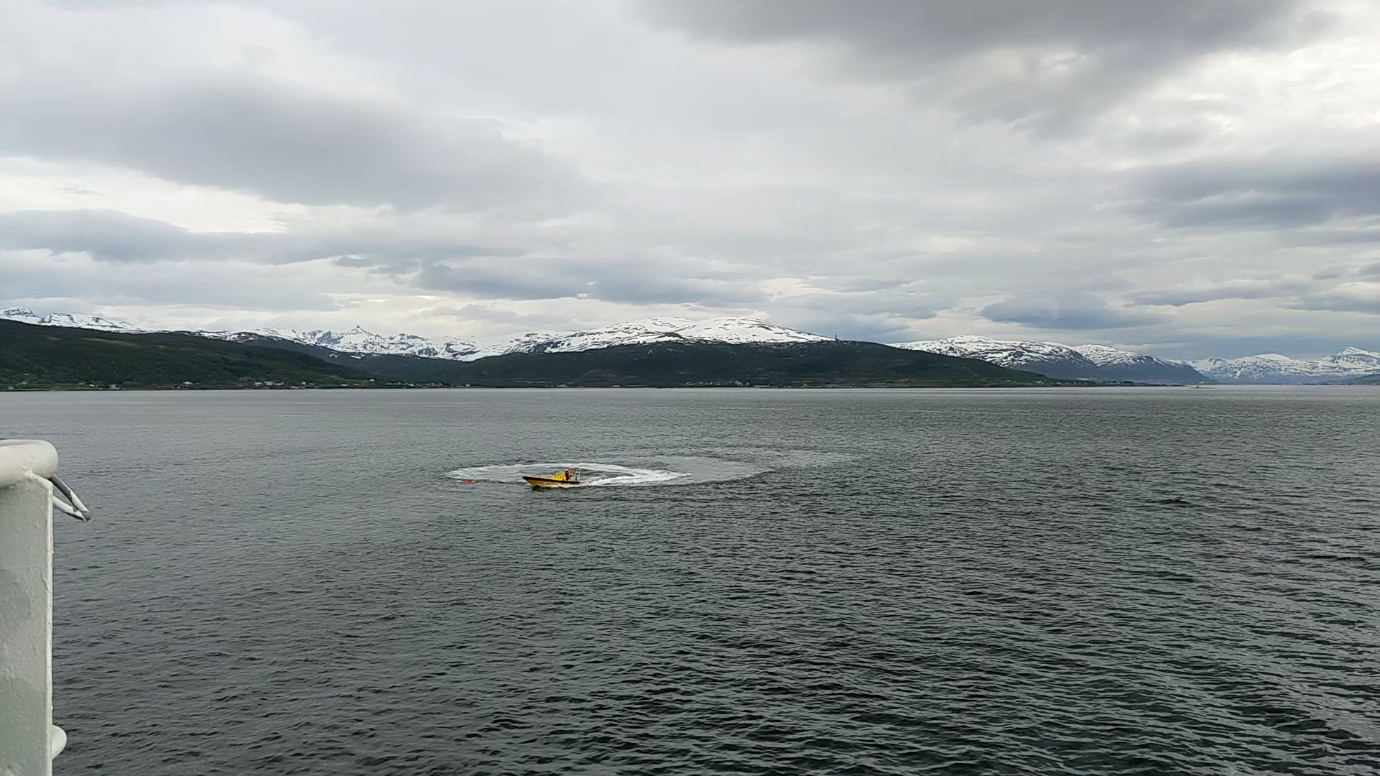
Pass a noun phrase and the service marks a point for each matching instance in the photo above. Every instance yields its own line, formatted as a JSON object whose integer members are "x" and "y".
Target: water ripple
{"x": 1056, "y": 582}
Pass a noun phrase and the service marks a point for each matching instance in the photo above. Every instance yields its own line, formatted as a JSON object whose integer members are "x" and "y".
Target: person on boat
{"x": 569, "y": 476}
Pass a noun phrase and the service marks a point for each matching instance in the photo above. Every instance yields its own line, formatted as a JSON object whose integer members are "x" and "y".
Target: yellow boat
{"x": 557, "y": 480}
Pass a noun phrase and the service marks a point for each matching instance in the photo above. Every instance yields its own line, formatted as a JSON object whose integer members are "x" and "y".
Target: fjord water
{"x": 1059, "y": 581}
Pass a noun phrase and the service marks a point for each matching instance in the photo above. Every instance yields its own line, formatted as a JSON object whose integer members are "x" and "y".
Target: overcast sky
{"x": 1188, "y": 177}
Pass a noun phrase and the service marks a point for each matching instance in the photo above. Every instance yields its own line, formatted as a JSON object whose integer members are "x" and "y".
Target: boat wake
{"x": 661, "y": 471}
{"x": 592, "y": 475}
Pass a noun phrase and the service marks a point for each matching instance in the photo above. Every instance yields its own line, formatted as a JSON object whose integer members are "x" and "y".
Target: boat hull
{"x": 547, "y": 482}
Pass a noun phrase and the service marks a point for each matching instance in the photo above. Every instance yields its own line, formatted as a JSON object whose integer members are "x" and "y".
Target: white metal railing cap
{"x": 57, "y": 741}
{"x": 19, "y": 457}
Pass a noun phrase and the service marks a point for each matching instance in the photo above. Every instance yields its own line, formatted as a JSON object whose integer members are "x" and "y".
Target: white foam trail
{"x": 624, "y": 475}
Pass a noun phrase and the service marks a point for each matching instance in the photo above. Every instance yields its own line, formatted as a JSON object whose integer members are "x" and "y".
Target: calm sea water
{"x": 1154, "y": 581}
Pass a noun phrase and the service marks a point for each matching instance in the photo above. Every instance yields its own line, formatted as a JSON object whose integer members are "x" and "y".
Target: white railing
{"x": 28, "y": 477}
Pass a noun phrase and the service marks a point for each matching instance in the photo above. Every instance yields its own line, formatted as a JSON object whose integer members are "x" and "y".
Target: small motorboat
{"x": 562, "y": 479}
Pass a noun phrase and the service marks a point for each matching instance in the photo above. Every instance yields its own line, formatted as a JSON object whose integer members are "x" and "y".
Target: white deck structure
{"x": 28, "y": 739}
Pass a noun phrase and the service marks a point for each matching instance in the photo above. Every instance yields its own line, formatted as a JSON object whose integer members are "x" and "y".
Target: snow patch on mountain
{"x": 362, "y": 342}
{"x": 1276, "y": 368}
{"x": 1106, "y": 354}
{"x": 359, "y": 342}
{"x": 70, "y": 320}
{"x": 734, "y": 330}
{"x": 737, "y": 331}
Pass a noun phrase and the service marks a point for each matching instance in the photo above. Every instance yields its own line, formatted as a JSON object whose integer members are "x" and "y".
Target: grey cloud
{"x": 1010, "y": 60}
{"x": 1341, "y": 272}
{"x": 1078, "y": 312}
{"x": 493, "y": 314}
{"x": 496, "y": 282}
{"x": 867, "y": 328}
{"x": 105, "y": 235}
{"x": 856, "y": 284}
{"x": 1338, "y": 236}
{"x": 420, "y": 260}
{"x": 651, "y": 288}
{"x": 555, "y": 279}
{"x": 284, "y": 144}
{"x": 354, "y": 262}
{"x": 1338, "y": 289}
{"x": 894, "y": 302}
{"x": 108, "y": 235}
{"x": 1265, "y": 192}
{"x": 1244, "y": 289}
{"x": 1341, "y": 299}
{"x": 97, "y": 4}
{"x": 223, "y": 284}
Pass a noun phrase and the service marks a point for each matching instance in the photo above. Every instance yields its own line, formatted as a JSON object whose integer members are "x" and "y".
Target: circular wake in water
{"x": 675, "y": 470}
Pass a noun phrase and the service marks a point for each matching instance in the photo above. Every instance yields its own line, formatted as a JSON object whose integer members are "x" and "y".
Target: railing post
{"x": 28, "y": 739}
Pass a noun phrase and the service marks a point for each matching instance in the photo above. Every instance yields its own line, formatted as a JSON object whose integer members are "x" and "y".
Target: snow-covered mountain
{"x": 356, "y": 341}
{"x": 1274, "y": 368}
{"x": 1091, "y": 362}
{"x": 1014, "y": 355}
{"x": 71, "y": 320}
{"x": 729, "y": 330}
{"x": 1117, "y": 364}
{"x": 361, "y": 342}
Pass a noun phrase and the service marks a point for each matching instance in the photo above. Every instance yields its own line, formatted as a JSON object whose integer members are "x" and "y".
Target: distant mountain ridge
{"x": 71, "y": 320}
{"x": 1085, "y": 362}
{"x": 45, "y": 357}
{"x": 361, "y": 342}
{"x": 1273, "y": 368}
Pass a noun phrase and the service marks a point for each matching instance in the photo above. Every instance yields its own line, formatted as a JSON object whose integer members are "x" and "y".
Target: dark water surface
{"x": 1114, "y": 581}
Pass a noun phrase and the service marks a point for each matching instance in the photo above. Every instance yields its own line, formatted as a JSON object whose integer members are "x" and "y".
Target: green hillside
{"x": 56, "y": 357}
{"x": 709, "y": 363}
